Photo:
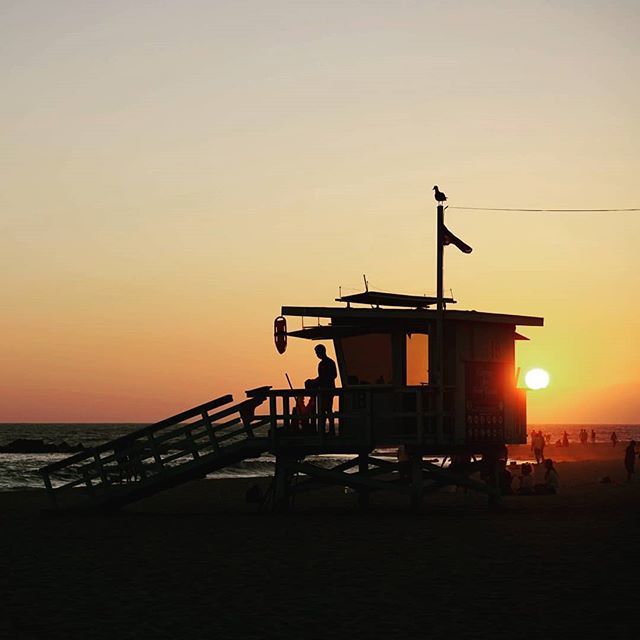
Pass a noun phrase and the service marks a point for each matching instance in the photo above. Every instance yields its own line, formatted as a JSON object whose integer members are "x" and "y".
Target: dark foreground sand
{"x": 198, "y": 562}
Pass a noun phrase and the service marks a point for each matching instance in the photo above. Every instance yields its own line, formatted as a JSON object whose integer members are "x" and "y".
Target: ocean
{"x": 19, "y": 470}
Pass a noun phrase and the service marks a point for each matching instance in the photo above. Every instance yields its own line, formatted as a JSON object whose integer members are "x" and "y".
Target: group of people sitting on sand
{"x": 525, "y": 484}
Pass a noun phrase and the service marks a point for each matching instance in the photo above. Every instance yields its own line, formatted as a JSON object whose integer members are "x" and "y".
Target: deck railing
{"x": 367, "y": 416}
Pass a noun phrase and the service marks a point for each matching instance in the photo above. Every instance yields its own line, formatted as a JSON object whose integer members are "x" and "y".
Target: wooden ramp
{"x": 185, "y": 447}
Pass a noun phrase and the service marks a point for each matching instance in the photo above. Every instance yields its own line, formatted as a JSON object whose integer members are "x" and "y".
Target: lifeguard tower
{"x": 391, "y": 396}
{"x": 418, "y": 380}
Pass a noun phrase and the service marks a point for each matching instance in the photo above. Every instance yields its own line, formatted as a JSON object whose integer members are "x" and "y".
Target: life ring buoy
{"x": 280, "y": 333}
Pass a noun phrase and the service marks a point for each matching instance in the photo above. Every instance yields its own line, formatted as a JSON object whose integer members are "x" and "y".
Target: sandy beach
{"x": 200, "y": 562}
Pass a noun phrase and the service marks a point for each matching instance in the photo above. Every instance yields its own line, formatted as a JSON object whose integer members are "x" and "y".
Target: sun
{"x": 537, "y": 379}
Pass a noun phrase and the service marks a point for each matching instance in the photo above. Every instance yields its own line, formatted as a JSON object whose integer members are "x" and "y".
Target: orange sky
{"x": 173, "y": 172}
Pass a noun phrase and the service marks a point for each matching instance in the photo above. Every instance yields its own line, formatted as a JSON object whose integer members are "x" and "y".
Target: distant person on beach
{"x": 630, "y": 460}
{"x": 584, "y": 436}
{"x": 565, "y": 439}
{"x": 593, "y": 436}
{"x": 537, "y": 441}
{"x": 614, "y": 439}
{"x": 551, "y": 482}
{"x": 325, "y": 383}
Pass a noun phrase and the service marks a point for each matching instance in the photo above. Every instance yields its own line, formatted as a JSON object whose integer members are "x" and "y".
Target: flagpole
{"x": 440, "y": 324}
{"x": 440, "y": 259}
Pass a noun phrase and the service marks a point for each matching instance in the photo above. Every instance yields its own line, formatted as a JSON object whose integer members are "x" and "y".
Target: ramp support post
{"x": 363, "y": 468}
{"x": 282, "y": 484}
{"x": 416, "y": 482}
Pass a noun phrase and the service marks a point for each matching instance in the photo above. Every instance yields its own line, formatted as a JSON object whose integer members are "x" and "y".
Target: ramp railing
{"x": 177, "y": 445}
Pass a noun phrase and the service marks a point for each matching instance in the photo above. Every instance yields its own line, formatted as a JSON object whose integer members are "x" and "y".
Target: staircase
{"x": 181, "y": 448}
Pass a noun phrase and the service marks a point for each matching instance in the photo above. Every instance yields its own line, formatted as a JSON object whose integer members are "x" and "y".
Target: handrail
{"x": 139, "y": 433}
{"x": 167, "y": 422}
{"x": 341, "y": 391}
{"x": 141, "y": 446}
{"x": 365, "y": 417}
{"x": 175, "y": 440}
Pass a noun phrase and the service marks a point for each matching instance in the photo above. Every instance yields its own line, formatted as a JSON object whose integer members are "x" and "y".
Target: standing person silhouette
{"x": 325, "y": 383}
{"x": 537, "y": 443}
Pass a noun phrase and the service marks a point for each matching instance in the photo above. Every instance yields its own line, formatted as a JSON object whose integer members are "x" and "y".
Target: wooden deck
{"x": 192, "y": 444}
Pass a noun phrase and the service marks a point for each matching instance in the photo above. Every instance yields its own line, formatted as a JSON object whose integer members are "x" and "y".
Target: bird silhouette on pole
{"x": 439, "y": 196}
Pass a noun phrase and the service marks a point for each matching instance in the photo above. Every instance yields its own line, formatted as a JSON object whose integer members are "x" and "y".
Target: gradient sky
{"x": 172, "y": 172}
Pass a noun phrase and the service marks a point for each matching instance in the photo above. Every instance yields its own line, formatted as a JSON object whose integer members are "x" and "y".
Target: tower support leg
{"x": 363, "y": 494}
{"x": 416, "y": 482}
{"x": 282, "y": 485}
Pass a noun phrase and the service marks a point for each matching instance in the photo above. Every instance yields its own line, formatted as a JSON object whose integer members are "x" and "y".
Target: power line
{"x": 544, "y": 210}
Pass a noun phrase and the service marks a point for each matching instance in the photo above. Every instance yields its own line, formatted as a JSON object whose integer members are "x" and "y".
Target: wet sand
{"x": 198, "y": 562}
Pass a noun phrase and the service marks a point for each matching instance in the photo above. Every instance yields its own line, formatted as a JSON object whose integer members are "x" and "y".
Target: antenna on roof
{"x": 366, "y": 284}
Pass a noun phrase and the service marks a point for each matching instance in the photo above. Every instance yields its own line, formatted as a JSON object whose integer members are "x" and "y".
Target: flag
{"x": 449, "y": 238}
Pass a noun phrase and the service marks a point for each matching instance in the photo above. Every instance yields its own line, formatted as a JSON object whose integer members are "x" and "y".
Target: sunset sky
{"x": 173, "y": 172}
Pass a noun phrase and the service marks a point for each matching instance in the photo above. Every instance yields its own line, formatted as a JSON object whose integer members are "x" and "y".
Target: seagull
{"x": 439, "y": 196}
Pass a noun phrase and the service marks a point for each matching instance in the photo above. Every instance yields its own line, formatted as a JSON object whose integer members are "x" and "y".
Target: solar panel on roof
{"x": 382, "y": 298}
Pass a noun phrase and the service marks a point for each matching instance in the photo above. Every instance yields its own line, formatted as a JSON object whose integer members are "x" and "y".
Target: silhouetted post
{"x": 416, "y": 481}
{"x": 282, "y": 485}
{"x": 363, "y": 467}
{"x": 440, "y": 323}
